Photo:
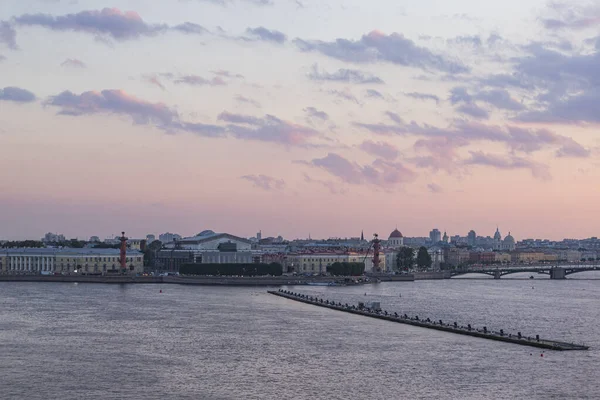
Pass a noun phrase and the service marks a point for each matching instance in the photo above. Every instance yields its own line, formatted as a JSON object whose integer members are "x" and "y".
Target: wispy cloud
{"x": 312, "y": 113}
{"x": 269, "y": 129}
{"x": 380, "y": 173}
{"x": 423, "y": 96}
{"x": 344, "y": 75}
{"x": 247, "y": 100}
{"x": 265, "y": 182}
{"x": 154, "y": 80}
{"x": 225, "y": 3}
{"x": 329, "y": 185}
{"x": 16, "y": 95}
{"x": 113, "y": 102}
{"x": 227, "y": 74}
{"x": 572, "y": 15}
{"x": 539, "y": 171}
{"x": 515, "y": 138}
{"x": 196, "y": 80}
{"x": 380, "y": 149}
{"x": 345, "y": 95}
{"x": 267, "y": 35}
{"x": 499, "y": 98}
{"x": 434, "y": 188}
{"x": 377, "y": 47}
{"x": 106, "y": 23}
{"x": 74, "y": 63}
{"x": 8, "y": 35}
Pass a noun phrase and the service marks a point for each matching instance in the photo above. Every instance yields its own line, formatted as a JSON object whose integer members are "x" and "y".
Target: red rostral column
{"x": 376, "y": 248}
{"x": 123, "y": 258}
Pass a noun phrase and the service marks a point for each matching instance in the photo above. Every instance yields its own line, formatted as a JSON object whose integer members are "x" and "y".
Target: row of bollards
{"x": 405, "y": 316}
{"x": 375, "y": 311}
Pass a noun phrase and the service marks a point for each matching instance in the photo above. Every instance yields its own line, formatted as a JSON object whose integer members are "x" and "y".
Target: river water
{"x": 91, "y": 341}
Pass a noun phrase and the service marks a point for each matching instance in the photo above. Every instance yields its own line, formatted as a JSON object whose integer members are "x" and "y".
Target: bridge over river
{"x": 555, "y": 272}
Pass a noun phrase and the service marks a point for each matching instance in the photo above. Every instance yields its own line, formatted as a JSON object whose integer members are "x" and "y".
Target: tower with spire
{"x": 497, "y": 240}
{"x": 362, "y": 236}
{"x": 497, "y": 235}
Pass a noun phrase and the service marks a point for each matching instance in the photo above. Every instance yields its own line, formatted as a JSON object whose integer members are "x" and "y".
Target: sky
{"x": 298, "y": 117}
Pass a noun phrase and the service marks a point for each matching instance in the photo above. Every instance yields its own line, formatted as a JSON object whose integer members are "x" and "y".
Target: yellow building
{"x": 549, "y": 257}
{"x": 317, "y": 263}
{"x": 527, "y": 257}
{"x": 67, "y": 260}
{"x": 504, "y": 258}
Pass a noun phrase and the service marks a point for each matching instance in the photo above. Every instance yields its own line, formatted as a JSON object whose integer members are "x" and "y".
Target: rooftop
{"x": 67, "y": 250}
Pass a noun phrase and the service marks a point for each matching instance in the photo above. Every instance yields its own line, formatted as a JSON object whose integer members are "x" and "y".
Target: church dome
{"x": 206, "y": 233}
{"x": 509, "y": 239}
{"x": 396, "y": 234}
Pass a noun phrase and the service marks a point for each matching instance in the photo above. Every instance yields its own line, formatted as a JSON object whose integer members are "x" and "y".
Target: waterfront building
{"x": 136, "y": 244}
{"x": 209, "y": 240}
{"x": 571, "y": 256}
{"x": 172, "y": 260}
{"x": 396, "y": 239}
{"x": 68, "y": 260}
{"x": 502, "y": 258}
{"x": 508, "y": 244}
{"x": 482, "y": 257}
{"x": 150, "y": 238}
{"x": 437, "y": 256}
{"x": 168, "y": 237}
{"x": 317, "y": 262}
{"x": 456, "y": 256}
{"x": 472, "y": 238}
{"x": 527, "y": 257}
{"x": 435, "y": 236}
{"x": 207, "y": 247}
{"x": 53, "y": 238}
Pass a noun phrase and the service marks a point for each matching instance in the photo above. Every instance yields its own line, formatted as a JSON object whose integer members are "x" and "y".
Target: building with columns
{"x": 396, "y": 239}
{"x": 67, "y": 260}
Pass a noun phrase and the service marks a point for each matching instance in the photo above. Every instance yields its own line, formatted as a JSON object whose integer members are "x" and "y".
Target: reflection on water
{"x": 89, "y": 341}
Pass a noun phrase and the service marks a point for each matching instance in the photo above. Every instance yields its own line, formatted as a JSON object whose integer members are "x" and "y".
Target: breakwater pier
{"x": 439, "y": 325}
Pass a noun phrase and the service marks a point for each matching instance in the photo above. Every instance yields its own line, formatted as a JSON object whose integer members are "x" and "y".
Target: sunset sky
{"x": 298, "y": 117}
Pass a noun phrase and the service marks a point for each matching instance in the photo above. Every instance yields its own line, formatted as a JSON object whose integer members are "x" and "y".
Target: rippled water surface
{"x": 88, "y": 341}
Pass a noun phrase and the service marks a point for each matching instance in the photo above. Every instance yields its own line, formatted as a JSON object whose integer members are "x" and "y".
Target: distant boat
{"x": 322, "y": 284}
{"x": 531, "y": 277}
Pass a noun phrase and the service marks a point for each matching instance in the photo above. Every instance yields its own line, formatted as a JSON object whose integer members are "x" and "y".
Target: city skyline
{"x": 440, "y": 236}
{"x": 299, "y": 117}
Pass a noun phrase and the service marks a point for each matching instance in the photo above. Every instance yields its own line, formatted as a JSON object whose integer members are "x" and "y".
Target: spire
{"x": 362, "y": 236}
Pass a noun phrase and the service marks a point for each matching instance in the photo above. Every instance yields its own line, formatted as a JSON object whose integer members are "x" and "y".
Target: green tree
{"x": 150, "y": 253}
{"x": 405, "y": 259}
{"x": 423, "y": 258}
{"x": 24, "y": 243}
{"x": 346, "y": 268}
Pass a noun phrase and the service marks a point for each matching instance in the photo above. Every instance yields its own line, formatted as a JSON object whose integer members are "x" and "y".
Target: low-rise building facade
{"x": 68, "y": 260}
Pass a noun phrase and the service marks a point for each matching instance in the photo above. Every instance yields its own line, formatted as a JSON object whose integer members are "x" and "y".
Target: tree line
{"x": 405, "y": 259}
{"x": 346, "y": 268}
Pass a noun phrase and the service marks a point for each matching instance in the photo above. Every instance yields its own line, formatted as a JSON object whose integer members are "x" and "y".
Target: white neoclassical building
{"x": 67, "y": 260}
{"x": 396, "y": 239}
